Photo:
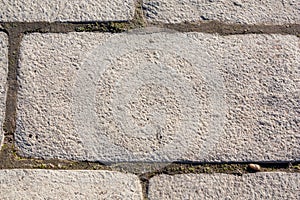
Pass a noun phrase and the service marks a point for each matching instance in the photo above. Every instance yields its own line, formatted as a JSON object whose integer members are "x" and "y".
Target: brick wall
{"x": 150, "y": 99}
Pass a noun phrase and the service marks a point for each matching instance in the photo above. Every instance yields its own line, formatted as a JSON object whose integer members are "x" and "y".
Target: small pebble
{"x": 51, "y": 165}
{"x": 255, "y": 167}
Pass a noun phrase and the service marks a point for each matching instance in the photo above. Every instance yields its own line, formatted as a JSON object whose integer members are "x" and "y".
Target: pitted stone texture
{"x": 75, "y": 100}
{"x": 229, "y": 11}
{"x": 159, "y": 97}
{"x": 45, "y": 125}
{"x": 54, "y": 184}
{"x": 3, "y": 78}
{"x": 262, "y": 94}
{"x": 275, "y": 186}
{"x": 63, "y": 10}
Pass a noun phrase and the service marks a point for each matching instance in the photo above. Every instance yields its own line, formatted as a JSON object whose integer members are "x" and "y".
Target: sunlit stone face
{"x": 147, "y": 98}
{"x": 143, "y": 101}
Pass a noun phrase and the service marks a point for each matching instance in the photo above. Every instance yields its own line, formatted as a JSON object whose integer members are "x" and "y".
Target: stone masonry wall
{"x": 144, "y": 99}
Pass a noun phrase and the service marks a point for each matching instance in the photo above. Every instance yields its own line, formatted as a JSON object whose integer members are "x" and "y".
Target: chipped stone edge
{"x": 4, "y": 37}
{"x": 128, "y": 16}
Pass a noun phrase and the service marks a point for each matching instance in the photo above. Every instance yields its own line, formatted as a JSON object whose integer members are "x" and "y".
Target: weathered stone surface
{"x": 45, "y": 117}
{"x": 159, "y": 97}
{"x": 54, "y": 184}
{"x": 3, "y": 78}
{"x": 275, "y": 186}
{"x": 229, "y": 11}
{"x": 63, "y": 10}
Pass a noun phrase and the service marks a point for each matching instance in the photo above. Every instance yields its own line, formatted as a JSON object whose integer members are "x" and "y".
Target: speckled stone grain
{"x": 3, "y": 78}
{"x": 60, "y": 184}
{"x": 275, "y": 186}
{"x": 66, "y": 11}
{"x": 159, "y": 97}
{"x": 228, "y": 11}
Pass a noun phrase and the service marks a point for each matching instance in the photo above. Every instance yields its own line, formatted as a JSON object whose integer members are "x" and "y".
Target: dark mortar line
{"x": 212, "y": 27}
{"x": 271, "y": 162}
{"x": 139, "y": 16}
{"x": 61, "y": 27}
{"x": 91, "y": 22}
{"x": 9, "y": 126}
{"x": 10, "y": 153}
{"x": 232, "y": 169}
{"x": 145, "y": 186}
{"x": 265, "y": 163}
{"x": 10, "y": 160}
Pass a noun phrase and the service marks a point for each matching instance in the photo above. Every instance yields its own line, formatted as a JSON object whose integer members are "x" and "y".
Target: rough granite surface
{"x": 64, "y": 10}
{"x": 161, "y": 96}
{"x": 228, "y": 11}
{"x": 3, "y": 78}
{"x": 275, "y": 186}
{"x": 60, "y": 184}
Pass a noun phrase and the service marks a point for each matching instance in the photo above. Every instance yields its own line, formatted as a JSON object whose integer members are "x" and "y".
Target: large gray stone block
{"x": 275, "y": 186}
{"x": 63, "y": 10}
{"x": 159, "y": 97}
{"x": 60, "y": 184}
{"x": 3, "y": 78}
{"x": 229, "y": 11}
